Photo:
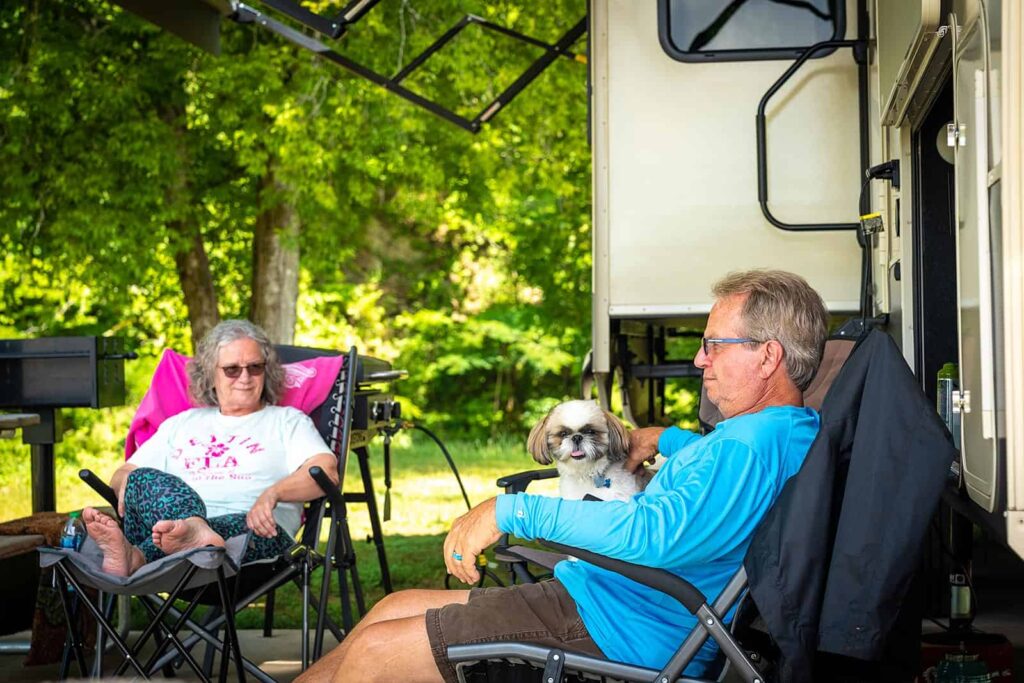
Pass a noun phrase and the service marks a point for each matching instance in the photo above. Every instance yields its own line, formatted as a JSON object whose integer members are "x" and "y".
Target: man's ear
{"x": 773, "y": 359}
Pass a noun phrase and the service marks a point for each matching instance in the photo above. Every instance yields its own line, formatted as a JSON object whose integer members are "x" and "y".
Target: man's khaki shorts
{"x": 540, "y": 613}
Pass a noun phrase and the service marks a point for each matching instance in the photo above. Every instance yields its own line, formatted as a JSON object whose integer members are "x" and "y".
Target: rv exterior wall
{"x": 675, "y": 189}
{"x": 1011, "y": 62}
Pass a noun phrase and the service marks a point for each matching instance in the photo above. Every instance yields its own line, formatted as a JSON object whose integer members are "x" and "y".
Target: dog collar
{"x": 602, "y": 482}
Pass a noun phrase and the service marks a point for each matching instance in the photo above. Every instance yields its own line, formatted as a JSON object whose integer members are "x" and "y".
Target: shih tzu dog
{"x": 589, "y": 447}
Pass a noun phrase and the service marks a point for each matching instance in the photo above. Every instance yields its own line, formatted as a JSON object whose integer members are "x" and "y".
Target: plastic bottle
{"x": 73, "y": 533}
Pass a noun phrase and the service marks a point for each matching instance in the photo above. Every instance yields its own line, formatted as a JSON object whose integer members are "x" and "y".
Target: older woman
{"x": 238, "y": 462}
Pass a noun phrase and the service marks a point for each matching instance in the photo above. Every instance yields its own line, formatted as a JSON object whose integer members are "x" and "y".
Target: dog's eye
{"x": 588, "y": 432}
{"x": 564, "y": 433}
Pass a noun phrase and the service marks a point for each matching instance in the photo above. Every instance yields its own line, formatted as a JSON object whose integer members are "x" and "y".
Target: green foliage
{"x": 463, "y": 258}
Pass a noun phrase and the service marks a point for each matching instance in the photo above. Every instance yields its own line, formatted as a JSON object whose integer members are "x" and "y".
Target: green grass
{"x": 425, "y": 498}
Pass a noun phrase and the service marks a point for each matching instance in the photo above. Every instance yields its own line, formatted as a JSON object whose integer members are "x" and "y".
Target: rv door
{"x": 974, "y": 135}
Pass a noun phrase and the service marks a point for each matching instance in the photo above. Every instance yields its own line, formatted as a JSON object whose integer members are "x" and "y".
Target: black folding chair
{"x": 345, "y": 422}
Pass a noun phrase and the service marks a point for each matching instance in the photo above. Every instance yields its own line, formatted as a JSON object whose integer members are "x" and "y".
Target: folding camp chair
{"x": 833, "y": 458}
{"x": 347, "y": 425}
{"x": 188, "y": 570}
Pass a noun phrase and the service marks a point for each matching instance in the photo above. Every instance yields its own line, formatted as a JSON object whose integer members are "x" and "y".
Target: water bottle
{"x": 73, "y": 533}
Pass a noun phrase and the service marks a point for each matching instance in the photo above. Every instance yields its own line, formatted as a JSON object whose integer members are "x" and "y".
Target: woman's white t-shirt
{"x": 230, "y": 461}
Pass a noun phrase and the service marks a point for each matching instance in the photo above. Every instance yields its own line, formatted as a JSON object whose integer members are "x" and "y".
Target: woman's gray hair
{"x": 783, "y": 307}
{"x": 203, "y": 368}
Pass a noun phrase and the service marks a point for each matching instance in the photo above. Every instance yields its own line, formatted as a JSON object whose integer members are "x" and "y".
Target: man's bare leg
{"x": 396, "y": 623}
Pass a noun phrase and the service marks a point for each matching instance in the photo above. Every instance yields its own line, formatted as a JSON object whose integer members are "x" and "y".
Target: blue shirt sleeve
{"x": 675, "y": 439}
{"x": 707, "y": 507}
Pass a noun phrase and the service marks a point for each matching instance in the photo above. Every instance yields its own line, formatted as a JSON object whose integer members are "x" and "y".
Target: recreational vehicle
{"x": 873, "y": 147}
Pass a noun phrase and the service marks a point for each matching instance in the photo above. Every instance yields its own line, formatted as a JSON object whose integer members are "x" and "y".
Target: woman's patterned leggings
{"x": 151, "y": 495}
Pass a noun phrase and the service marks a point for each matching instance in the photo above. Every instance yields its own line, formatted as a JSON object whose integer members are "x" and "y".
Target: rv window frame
{"x": 673, "y": 51}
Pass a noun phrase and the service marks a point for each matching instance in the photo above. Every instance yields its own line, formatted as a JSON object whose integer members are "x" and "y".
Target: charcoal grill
{"x": 41, "y": 376}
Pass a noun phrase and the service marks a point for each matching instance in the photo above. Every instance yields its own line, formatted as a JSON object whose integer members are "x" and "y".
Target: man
{"x": 762, "y": 345}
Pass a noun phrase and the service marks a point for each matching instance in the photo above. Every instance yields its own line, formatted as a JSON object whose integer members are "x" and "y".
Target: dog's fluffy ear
{"x": 618, "y": 437}
{"x": 537, "y": 444}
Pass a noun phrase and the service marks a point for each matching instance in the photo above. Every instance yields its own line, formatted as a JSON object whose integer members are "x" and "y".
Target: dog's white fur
{"x": 589, "y": 447}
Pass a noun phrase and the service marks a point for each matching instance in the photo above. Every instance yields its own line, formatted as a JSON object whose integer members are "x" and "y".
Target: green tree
{"x": 147, "y": 188}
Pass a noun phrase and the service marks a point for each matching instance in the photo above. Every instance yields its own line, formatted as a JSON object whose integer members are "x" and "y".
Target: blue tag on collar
{"x": 602, "y": 483}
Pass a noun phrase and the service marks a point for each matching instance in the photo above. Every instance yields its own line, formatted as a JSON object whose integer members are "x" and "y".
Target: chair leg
{"x": 268, "y": 615}
{"x": 229, "y": 630}
{"x": 325, "y": 594}
{"x": 73, "y": 641}
{"x": 304, "y": 647}
{"x": 65, "y": 578}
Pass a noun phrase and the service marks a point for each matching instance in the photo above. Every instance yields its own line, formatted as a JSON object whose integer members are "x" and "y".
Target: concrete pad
{"x": 277, "y": 655}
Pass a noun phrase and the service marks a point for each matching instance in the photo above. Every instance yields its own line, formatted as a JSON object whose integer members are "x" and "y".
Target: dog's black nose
{"x": 577, "y": 439}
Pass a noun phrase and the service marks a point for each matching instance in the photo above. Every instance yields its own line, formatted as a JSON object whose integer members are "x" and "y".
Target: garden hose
{"x": 481, "y": 559}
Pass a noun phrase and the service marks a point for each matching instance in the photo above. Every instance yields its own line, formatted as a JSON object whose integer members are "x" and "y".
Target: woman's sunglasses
{"x": 235, "y": 371}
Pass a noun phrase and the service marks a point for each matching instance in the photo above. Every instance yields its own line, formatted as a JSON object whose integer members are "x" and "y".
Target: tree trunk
{"x": 196, "y": 281}
{"x": 190, "y": 258}
{"x": 275, "y": 267}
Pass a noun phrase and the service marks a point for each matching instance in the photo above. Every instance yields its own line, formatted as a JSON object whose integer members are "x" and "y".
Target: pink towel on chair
{"x": 307, "y": 384}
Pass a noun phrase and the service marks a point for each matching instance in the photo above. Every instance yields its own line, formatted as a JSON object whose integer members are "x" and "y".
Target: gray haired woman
{"x": 236, "y": 463}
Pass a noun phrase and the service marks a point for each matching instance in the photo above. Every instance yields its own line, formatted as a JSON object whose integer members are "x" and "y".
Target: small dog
{"x": 589, "y": 447}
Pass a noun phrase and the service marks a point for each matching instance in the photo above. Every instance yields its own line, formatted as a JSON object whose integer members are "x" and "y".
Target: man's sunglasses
{"x": 235, "y": 371}
{"x": 710, "y": 344}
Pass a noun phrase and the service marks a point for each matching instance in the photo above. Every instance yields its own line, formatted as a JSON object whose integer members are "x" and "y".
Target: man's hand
{"x": 260, "y": 517}
{"x": 643, "y": 445}
{"x": 471, "y": 533}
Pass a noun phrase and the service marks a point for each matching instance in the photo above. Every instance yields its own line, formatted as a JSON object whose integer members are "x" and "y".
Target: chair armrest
{"x": 99, "y": 486}
{"x": 659, "y": 579}
{"x": 330, "y": 489}
{"x": 517, "y": 483}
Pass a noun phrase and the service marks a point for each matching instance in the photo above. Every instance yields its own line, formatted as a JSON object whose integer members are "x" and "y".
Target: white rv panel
{"x": 677, "y": 189}
{"x": 1011, "y": 62}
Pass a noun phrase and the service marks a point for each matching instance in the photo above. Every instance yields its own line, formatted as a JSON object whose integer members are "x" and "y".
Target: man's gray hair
{"x": 203, "y": 368}
{"x": 783, "y": 307}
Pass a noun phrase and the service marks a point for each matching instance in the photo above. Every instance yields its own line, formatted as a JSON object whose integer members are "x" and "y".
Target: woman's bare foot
{"x": 120, "y": 557}
{"x": 174, "y": 535}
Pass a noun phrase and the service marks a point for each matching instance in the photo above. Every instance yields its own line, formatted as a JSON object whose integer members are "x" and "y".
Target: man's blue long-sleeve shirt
{"x": 695, "y": 518}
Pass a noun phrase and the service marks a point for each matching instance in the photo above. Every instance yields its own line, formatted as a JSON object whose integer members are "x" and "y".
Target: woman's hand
{"x": 471, "y": 533}
{"x": 260, "y": 517}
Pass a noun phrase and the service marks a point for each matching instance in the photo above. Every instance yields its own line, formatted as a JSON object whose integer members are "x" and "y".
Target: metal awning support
{"x": 244, "y": 14}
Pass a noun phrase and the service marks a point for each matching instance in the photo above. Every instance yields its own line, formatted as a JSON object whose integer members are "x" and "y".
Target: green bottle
{"x": 948, "y": 383}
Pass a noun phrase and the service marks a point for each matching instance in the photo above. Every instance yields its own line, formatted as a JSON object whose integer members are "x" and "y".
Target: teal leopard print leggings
{"x": 151, "y": 495}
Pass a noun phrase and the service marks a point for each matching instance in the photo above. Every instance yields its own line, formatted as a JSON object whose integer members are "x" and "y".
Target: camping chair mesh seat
{"x": 333, "y": 419}
{"x": 746, "y": 653}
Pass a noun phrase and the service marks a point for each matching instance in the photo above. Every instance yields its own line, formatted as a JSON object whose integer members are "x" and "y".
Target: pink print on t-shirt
{"x": 213, "y": 458}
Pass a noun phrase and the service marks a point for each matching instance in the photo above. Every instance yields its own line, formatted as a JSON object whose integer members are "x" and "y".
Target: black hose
{"x": 485, "y": 573}
{"x": 451, "y": 462}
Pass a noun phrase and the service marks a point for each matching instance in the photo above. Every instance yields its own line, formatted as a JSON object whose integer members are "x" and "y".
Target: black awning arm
{"x": 245, "y": 14}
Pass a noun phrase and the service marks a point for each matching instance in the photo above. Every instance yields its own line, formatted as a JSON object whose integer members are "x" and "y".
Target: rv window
{"x": 737, "y": 30}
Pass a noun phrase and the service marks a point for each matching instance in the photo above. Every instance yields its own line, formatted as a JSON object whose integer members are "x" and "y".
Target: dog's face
{"x": 577, "y": 431}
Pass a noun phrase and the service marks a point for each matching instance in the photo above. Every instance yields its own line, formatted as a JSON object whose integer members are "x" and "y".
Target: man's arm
{"x": 297, "y": 487}
{"x": 712, "y": 506}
